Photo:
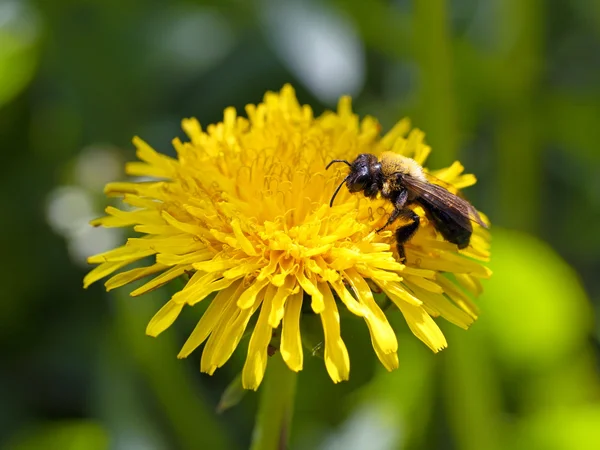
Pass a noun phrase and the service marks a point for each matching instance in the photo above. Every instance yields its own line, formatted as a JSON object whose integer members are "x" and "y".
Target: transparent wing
{"x": 454, "y": 206}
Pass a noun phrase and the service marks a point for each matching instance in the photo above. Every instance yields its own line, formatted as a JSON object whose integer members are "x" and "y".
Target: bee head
{"x": 365, "y": 172}
{"x": 365, "y": 175}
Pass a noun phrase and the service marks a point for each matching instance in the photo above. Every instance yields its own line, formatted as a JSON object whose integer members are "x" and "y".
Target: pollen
{"x": 243, "y": 210}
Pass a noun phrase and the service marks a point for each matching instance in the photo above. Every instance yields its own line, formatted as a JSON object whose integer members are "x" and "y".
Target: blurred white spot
{"x": 370, "y": 426}
{"x": 319, "y": 45}
{"x": 96, "y": 165}
{"x": 192, "y": 38}
{"x": 19, "y": 19}
{"x": 88, "y": 241}
{"x": 69, "y": 210}
{"x": 138, "y": 440}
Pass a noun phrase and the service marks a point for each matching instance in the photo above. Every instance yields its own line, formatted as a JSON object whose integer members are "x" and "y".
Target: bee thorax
{"x": 392, "y": 163}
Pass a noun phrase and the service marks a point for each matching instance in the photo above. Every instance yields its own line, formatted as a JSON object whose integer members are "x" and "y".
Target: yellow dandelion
{"x": 244, "y": 210}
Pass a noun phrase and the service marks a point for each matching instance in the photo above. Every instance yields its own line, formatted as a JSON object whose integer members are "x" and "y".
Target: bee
{"x": 402, "y": 181}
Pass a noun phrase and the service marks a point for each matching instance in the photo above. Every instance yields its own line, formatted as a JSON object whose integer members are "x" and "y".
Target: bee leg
{"x": 399, "y": 203}
{"x": 405, "y": 232}
{"x": 393, "y": 216}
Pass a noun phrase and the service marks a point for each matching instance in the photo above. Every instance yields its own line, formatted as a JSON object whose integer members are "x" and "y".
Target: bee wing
{"x": 456, "y": 207}
{"x": 450, "y": 188}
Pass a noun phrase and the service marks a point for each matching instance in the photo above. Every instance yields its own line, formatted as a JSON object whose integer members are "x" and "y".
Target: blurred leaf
{"x": 572, "y": 382}
{"x": 405, "y": 396}
{"x": 472, "y": 394}
{"x": 571, "y": 120}
{"x": 535, "y": 315}
{"x": 119, "y": 400}
{"x": 382, "y": 26}
{"x": 234, "y": 393}
{"x": 534, "y": 306}
{"x": 391, "y": 411}
{"x": 564, "y": 429}
{"x": 182, "y": 404}
{"x": 18, "y": 51}
{"x": 72, "y": 435}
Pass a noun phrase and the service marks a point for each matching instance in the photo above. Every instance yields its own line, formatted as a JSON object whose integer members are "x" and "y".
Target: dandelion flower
{"x": 244, "y": 211}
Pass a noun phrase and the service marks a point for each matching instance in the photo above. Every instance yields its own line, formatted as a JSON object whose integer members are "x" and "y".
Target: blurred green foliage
{"x": 511, "y": 88}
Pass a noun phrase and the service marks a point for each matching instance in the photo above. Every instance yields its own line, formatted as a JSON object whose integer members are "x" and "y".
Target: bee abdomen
{"x": 450, "y": 229}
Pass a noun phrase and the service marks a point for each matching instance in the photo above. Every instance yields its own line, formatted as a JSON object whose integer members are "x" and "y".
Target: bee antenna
{"x": 337, "y": 161}
{"x": 337, "y": 190}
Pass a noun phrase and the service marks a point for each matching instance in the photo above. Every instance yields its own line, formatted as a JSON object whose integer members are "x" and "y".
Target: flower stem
{"x": 434, "y": 55}
{"x": 276, "y": 407}
{"x": 517, "y": 137}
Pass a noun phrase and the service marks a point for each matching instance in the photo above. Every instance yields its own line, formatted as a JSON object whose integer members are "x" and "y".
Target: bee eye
{"x": 359, "y": 183}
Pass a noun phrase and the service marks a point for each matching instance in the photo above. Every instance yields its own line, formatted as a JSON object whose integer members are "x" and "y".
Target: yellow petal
{"x": 283, "y": 292}
{"x": 186, "y": 227}
{"x": 397, "y": 293}
{"x": 423, "y": 283}
{"x": 215, "y": 286}
{"x": 444, "y": 307}
{"x": 146, "y": 170}
{"x": 221, "y": 327}
{"x": 397, "y": 131}
{"x": 103, "y": 270}
{"x": 423, "y": 326}
{"x": 454, "y": 263}
{"x": 337, "y": 360}
{"x": 193, "y": 129}
{"x": 128, "y": 218}
{"x": 458, "y": 297}
{"x": 464, "y": 181}
{"x": 381, "y": 331}
{"x": 270, "y": 268}
{"x": 216, "y": 265}
{"x": 311, "y": 289}
{"x": 161, "y": 280}
{"x": 123, "y": 278}
{"x": 286, "y": 267}
{"x": 256, "y": 361}
{"x": 164, "y": 318}
{"x": 243, "y": 241}
{"x": 353, "y": 305}
{"x": 181, "y": 243}
{"x": 149, "y": 155}
{"x": 242, "y": 270}
{"x": 196, "y": 292}
{"x": 470, "y": 283}
{"x": 248, "y": 298}
{"x": 291, "y": 342}
{"x": 121, "y": 254}
{"x": 197, "y": 256}
{"x": 210, "y": 318}
{"x": 234, "y": 331}
{"x": 197, "y": 287}
{"x": 389, "y": 360}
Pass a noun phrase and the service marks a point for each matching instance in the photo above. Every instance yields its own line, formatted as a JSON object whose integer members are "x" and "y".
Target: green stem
{"x": 436, "y": 114}
{"x": 276, "y": 407}
{"x": 519, "y": 147}
{"x": 472, "y": 398}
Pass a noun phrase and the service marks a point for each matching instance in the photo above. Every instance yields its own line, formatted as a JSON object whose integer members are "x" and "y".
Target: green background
{"x": 511, "y": 87}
